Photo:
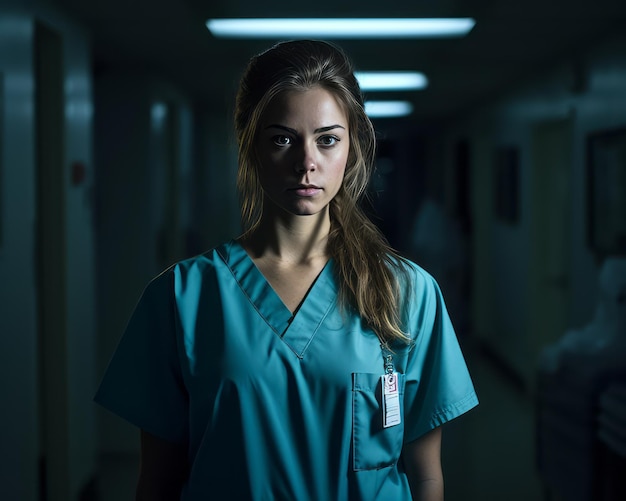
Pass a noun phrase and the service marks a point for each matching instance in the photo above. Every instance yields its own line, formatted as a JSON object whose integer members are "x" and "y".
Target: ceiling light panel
{"x": 387, "y": 109}
{"x": 341, "y": 28}
{"x": 391, "y": 80}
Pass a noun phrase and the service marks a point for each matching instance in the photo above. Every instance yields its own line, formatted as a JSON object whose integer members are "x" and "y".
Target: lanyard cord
{"x": 387, "y": 360}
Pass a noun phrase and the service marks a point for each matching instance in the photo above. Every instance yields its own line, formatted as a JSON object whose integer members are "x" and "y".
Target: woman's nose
{"x": 305, "y": 161}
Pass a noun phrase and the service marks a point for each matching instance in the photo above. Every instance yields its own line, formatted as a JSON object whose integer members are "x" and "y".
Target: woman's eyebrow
{"x": 282, "y": 127}
{"x": 295, "y": 132}
{"x": 330, "y": 127}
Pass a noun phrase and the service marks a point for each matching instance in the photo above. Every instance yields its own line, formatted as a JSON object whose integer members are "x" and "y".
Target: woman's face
{"x": 303, "y": 145}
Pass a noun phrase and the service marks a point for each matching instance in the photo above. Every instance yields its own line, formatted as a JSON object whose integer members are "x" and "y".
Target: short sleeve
{"x": 143, "y": 382}
{"x": 438, "y": 384}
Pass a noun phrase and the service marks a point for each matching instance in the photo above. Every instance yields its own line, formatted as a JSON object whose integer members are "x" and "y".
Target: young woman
{"x": 304, "y": 360}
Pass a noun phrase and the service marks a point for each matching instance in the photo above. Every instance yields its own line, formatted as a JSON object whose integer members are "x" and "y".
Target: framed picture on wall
{"x": 606, "y": 192}
{"x": 461, "y": 195}
{"x": 506, "y": 184}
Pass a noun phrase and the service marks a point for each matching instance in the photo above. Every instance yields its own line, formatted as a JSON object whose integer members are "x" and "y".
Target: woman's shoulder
{"x": 420, "y": 279}
{"x": 207, "y": 259}
{"x": 200, "y": 265}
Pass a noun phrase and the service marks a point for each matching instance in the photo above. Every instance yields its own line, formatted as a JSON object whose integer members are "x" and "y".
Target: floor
{"x": 118, "y": 477}
{"x": 488, "y": 454}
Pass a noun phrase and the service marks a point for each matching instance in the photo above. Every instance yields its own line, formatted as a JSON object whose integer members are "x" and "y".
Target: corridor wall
{"x": 47, "y": 427}
{"x": 584, "y": 90}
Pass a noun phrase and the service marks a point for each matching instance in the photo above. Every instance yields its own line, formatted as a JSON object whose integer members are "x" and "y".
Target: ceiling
{"x": 511, "y": 40}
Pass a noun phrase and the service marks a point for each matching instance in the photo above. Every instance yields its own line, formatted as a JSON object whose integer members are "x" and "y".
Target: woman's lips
{"x": 306, "y": 191}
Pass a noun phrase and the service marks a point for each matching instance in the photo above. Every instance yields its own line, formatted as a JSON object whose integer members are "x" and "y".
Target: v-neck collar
{"x": 295, "y": 329}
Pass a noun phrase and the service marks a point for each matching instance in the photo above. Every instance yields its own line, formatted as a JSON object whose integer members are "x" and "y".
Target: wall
{"x": 216, "y": 210}
{"x": 20, "y": 449}
{"x": 585, "y": 89}
{"x": 165, "y": 191}
{"x": 132, "y": 191}
{"x": 22, "y": 443}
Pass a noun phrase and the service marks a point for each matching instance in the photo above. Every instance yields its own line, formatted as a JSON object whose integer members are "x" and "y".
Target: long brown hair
{"x": 371, "y": 275}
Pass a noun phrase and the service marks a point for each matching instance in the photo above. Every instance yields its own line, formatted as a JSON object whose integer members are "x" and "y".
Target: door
{"x": 51, "y": 266}
{"x": 550, "y": 234}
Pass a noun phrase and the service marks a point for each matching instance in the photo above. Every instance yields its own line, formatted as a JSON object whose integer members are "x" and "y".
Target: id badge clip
{"x": 391, "y": 395}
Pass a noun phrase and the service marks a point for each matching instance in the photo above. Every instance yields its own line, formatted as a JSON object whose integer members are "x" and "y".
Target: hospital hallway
{"x": 502, "y": 174}
{"x": 488, "y": 453}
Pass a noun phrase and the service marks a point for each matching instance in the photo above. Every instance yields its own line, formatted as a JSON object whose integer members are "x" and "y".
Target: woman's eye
{"x": 282, "y": 140}
{"x": 328, "y": 140}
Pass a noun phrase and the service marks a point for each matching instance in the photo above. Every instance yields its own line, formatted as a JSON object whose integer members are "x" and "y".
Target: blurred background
{"x": 507, "y": 182}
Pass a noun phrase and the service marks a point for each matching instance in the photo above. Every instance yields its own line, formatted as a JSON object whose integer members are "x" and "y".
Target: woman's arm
{"x": 163, "y": 469}
{"x": 422, "y": 462}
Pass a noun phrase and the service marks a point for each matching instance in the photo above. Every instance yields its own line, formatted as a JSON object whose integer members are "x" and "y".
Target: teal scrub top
{"x": 276, "y": 405}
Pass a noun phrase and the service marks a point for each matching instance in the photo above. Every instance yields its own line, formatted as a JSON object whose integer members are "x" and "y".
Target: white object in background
{"x": 601, "y": 343}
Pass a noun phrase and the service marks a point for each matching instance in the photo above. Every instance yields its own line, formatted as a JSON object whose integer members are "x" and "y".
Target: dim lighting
{"x": 380, "y": 109}
{"x": 340, "y": 28}
{"x": 391, "y": 80}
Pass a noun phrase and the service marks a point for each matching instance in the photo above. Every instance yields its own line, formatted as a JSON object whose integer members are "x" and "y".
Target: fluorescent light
{"x": 391, "y": 80}
{"x": 379, "y": 109}
{"x": 340, "y": 28}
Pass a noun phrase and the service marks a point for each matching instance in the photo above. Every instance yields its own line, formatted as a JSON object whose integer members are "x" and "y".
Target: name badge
{"x": 391, "y": 400}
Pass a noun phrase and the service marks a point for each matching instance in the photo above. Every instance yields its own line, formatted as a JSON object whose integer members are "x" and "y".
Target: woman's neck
{"x": 289, "y": 239}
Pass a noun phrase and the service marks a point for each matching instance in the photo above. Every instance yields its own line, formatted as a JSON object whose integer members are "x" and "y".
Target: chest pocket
{"x": 374, "y": 446}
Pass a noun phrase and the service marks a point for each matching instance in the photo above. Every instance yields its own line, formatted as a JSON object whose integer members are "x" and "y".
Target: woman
{"x": 305, "y": 359}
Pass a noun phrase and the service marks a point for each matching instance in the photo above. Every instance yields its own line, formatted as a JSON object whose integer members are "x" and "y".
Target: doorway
{"x": 54, "y": 482}
{"x": 550, "y": 234}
